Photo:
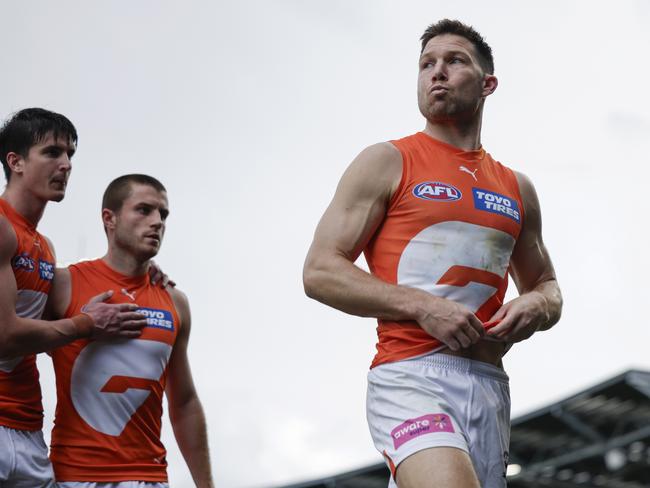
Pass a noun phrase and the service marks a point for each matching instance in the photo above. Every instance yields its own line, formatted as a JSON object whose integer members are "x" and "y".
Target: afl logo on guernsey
{"x": 437, "y": 191}
{"x": 161, "y": 319}
{"x": 23, "y": 261}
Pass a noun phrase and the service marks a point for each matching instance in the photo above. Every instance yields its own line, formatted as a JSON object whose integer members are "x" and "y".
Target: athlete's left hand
{"x": 520, "y": 318}
{"x": 156, "y": 274}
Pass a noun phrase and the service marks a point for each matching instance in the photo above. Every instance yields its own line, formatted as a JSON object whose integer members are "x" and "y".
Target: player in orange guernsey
{"x": 441, "y": 225}
{"x": 109, "y": 395}
{"x": 36, "y": 147}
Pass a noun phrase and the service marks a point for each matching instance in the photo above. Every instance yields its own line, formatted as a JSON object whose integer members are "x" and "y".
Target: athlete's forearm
{"x": 188, "y": 422}
{"x": 552, "y": 302}
{"x": 339, "y": 283}
{"x": 21, "y": 336}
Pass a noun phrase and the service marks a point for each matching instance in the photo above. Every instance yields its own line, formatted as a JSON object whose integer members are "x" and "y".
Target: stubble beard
{"x": 129, "y": 244}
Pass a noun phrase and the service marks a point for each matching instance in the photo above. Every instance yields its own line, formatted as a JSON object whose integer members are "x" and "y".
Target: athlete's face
{"x": 44, "y": 172}
{"x": 139, "y": 226}
{"x": 451, "y": 82}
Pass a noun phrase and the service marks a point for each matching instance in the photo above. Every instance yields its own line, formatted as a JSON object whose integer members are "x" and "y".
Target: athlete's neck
{"x": 464, "y": 135}
{"x": 125, "y": 263}
{"x": 25, "y": 204}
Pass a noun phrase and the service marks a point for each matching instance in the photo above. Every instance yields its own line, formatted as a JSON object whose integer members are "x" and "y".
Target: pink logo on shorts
{"x": 427, "y": 424}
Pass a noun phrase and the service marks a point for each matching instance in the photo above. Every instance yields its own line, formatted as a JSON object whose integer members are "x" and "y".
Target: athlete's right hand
{"x": 113, "y": 320}
{"x": 451, "y": 323}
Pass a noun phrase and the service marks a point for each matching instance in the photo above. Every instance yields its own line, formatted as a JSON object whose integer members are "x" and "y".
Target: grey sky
{"x": 250, "y": 111}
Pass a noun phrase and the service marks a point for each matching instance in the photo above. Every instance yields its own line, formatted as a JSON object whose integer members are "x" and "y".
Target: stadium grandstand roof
{"x": 599, "y": 437}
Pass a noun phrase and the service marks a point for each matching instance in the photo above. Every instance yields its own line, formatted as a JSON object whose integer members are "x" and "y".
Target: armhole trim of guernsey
{"x": 175, "y": 311}
{"x": 399, "y": 191}
{"x": 70, "y": 309}
{"x": 513, "y": 175}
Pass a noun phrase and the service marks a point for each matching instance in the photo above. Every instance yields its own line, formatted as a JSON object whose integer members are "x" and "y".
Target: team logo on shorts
{"x": 437, "y": 191}
{"x": 427, "y": 424}
{"x": 23, "y": 261}
{"x": 160, "y": 319}
{"x": 46, "y": 270}
{"x": 490, "y": 201}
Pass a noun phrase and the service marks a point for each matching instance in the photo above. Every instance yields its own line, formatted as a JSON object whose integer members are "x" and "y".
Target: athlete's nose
{"x": 65, "y": 163}
{"x": 439, "y": 71}
{"x": 158, "y": 220}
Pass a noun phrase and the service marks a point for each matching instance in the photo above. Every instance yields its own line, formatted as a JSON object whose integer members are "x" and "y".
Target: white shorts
{"x": 115, "y": 484}
{"x": 23, "y": 460}
{"x": 439, "y": 400}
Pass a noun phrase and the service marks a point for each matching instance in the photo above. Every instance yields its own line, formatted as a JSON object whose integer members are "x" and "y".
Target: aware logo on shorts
{"x": 490, "y": 201}
{"x": 427, "y": 424}
{"x": 437, "y": 191}
{"x": 161, "y": 319}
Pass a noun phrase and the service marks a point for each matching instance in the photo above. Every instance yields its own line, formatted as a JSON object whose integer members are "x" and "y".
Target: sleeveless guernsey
{"x": 109, "y": 393}
{"x": 33, "y": 266}
{"x": 450, "y": 229}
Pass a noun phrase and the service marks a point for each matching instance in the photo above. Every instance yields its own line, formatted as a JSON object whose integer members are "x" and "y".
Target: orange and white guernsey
{"x": 33, "y": 265}
{"x": 109, "y": 393}
{"x": 450, "y": 230}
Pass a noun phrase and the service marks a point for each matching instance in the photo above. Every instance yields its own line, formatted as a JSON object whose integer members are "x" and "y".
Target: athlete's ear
{"x": 108, "y": 218}
{"x": 490, "y": 83}
{"x": 15, "y": 162}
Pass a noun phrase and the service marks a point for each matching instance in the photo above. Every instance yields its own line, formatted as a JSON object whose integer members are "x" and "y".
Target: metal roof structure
{"x": 599, "y": 437}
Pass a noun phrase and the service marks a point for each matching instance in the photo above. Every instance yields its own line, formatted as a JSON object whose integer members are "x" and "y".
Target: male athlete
{"x": 440, "y": 223}
{"x": 109, "y": 395}
{"x": 36, "y": 146}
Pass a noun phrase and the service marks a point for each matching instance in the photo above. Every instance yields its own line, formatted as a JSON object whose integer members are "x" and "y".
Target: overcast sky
{"x": 250, "y": 111}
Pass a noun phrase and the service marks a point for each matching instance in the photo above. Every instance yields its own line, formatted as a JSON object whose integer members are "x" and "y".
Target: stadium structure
{"x": 599, "y": 437}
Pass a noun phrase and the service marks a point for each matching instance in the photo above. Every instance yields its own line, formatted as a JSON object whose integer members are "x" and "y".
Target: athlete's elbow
{"x": 310, "y": 281}
{"x": 314, "y": 278}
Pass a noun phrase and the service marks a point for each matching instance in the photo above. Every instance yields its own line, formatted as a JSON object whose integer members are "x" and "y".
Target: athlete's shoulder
{"x": 181, "y": 303}
{"x": 526, "y": 187}
{"x": 381, "y": 153}
{"x": 177, "y": 296}
{"x": 8, "y": 238}
{"x": 376, "y": 164}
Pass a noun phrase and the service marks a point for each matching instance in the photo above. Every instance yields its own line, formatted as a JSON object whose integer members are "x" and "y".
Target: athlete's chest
{"x": 449, "y": 189}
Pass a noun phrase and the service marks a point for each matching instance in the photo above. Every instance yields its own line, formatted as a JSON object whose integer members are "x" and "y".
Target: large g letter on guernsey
{"x": 111, "y": 380}
{"x": 456, "y": 260}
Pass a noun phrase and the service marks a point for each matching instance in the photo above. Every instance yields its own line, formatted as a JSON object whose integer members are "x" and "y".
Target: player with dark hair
{"x": 109, "y": 395}
{"x": 36, "y": 147}
{"x": 441, "y": 223}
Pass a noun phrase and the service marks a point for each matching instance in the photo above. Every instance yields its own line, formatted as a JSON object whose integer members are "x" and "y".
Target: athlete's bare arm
{"x": 355, "y": 213}
{"x": 185, "y": 410}
{"x": 20, "y": 336}
{"x": 540, "y": 302}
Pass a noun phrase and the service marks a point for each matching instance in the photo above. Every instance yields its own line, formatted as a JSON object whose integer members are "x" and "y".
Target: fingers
{"x": 132, "y": 318}
{"x": 102, "y": 297}
{"x": 126, "y": 307}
